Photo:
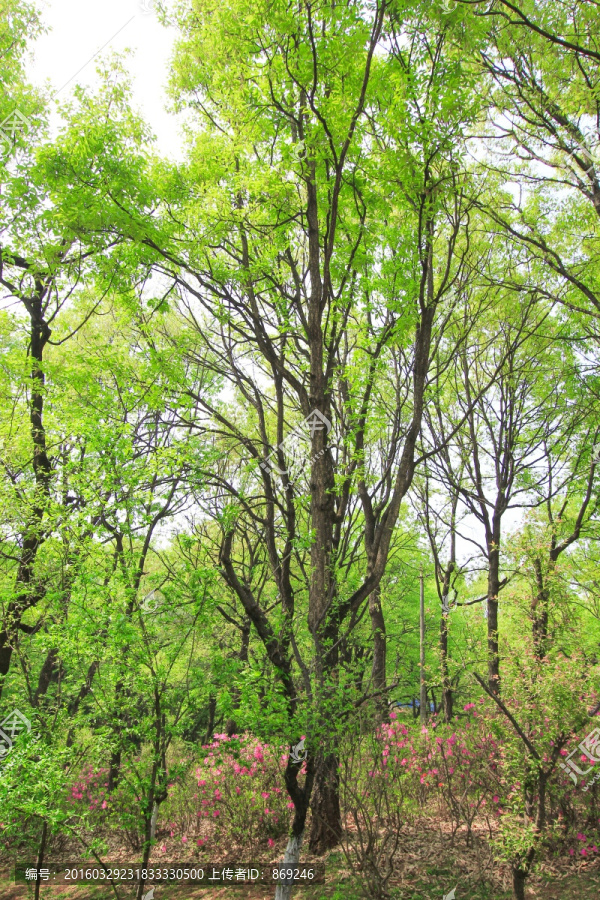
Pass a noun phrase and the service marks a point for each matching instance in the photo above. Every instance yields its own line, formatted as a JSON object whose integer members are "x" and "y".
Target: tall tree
{"x": 322, "y": 201}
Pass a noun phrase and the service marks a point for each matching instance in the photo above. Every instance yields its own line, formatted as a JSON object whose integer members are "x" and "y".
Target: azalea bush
{"x": 234, "y": 795}
{"x": 476, "y": 769}
{"x": 374, "y": 782}
{"x": 116, "y": 812}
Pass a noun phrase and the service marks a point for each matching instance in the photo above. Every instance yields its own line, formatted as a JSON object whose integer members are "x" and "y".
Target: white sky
{"x": 77, "y": 31}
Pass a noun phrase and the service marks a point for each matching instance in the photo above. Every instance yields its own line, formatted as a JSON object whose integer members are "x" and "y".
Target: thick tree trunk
{"x": 519, "y": 884}
{"x": 326, "y": 830}
{"x": 114, "y": 769}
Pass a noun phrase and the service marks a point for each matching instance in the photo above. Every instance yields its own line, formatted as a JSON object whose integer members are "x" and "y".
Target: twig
{"x": 510, "y": 718}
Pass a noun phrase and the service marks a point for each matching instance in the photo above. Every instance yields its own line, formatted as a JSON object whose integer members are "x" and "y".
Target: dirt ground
{"x": 428, "y": 865}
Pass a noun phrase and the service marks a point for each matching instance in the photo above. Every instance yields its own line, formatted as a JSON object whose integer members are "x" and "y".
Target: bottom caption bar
{"x": 187, "y": 873}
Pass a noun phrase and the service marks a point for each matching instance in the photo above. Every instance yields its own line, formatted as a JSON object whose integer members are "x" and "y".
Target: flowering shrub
{"x": 476, "y": 768}
{"x": 238, "y": 795}
{"x": 372, "y": 785}
{"x": 457, "y": 766}
{"x": 117, "y": 811}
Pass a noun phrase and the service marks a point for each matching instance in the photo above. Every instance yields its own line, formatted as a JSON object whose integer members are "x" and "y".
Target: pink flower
{"x": 163, "y": 849}
{"x": 264, "y": 794}
{"x": 200, "y": 842}
{"x": 104, "y": 804}
{"x": 184, "y": 839}
{"x": 290, "y": 805}
{"x": 496, "y": 798}
{"x": 271, "y": 842}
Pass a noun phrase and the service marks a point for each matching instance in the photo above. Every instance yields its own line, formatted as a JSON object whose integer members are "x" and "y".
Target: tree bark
{"x": 519, "y": 884}
{"x": 492, "y": 608}
{"x": 423, "y": 683}
{"x": 40, "y": 859}
{"x": 212, "y": 708}
{"x": 326, "y": 830}
{"x": 447, "y": 692}
{"x": 539, "y": 613}
{"x": 27, "y": 591}
{"x": 291, "y": 858}
{"x": 378, "y": 669}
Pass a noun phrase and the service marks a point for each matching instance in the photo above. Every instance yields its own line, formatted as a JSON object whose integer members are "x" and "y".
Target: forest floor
{"x": 428, "y": 865}
{"x": 581, "y": 885}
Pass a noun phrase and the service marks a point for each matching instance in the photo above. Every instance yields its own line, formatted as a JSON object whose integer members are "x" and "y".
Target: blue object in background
{"x": 414, "y": 704}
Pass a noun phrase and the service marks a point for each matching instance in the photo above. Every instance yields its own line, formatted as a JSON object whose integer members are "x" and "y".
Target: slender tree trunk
{"x": 157, "y": 791}
{"x": 378, "y": 670}
{"x": 447, "y": 693}
{"x": 153, "y": 820}
{"x": 27, "y": 592}
{"x": 301, "y": 799}
{"x": 492, "y": 610}
{"x": 539, "y": 613}
{"x": 291, "y": 858}
{"x": 40, "y": 859}
{"x": 212, "y": 708}
{"x": 423, "y": 690}
{"x": 231, "y": 727}
{"x": 49, "y": 674}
